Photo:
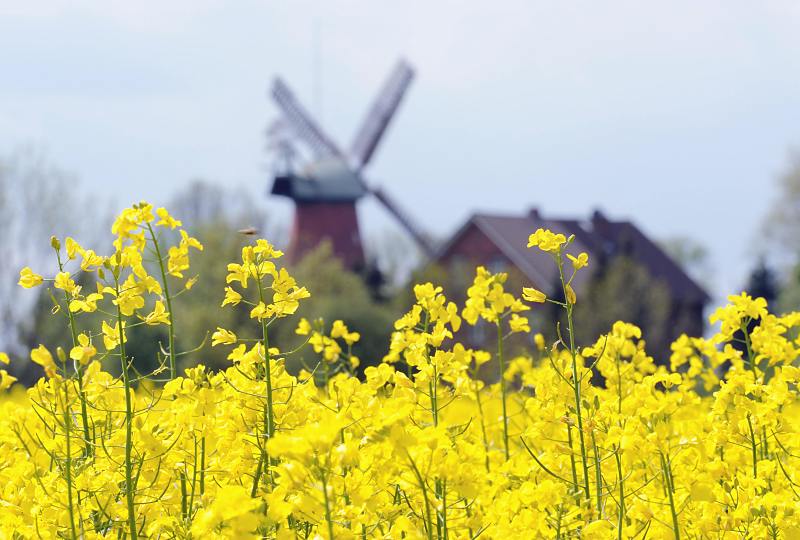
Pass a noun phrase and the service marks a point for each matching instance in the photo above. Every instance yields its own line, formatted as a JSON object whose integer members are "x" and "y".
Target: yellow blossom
{"x": 571, "y": 298}
{"x": 6, "y": 380}
{"x": 580, "y": 261}
{"x": 73, "y": 248}
{"x": 339, "y": 330}
{"x": 66, "y": 283}
{"x": 111, "y": 335}
{"x": 42, "y": 356}
{"x": 303, "y": 327}
{"x": 28, "y": 279}
{"x": 533, "y": 295}
{"x": 167, "y": 220}
{"x": 84, "y": 351}
{"x": 86, "y": 304}
{"x": 222, "y": 337}
{"x": 547, "y": 240}
{"x": 231, "y": 297}
{"x": 519, "y": 324}
{"x": 612, "y": 439}
{"x": 260, "y": 311}
{"x": 159, "y": 315}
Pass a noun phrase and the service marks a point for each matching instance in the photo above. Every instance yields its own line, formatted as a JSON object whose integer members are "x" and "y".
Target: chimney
{"x": 599, "y": 219}
{"x": 600, "y": 232}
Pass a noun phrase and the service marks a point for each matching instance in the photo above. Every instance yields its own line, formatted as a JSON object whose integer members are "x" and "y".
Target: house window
{"x": 497, "y": 264}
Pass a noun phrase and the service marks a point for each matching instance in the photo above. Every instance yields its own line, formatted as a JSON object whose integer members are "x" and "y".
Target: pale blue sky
{"x": 678, "y": 115}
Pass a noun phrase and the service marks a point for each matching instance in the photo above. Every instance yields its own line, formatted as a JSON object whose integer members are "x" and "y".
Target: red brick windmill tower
{"x": 325, "y": 191}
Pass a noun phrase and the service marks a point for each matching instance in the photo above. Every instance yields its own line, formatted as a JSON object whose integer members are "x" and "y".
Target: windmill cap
{"x": 326, "y": 180}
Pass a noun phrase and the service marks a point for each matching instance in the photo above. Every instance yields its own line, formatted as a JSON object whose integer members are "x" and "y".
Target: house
{"x": 499, "y": 242}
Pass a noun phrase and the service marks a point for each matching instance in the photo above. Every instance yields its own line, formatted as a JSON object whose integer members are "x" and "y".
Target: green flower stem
{"x": 88, "y": 450}
{"x": 68, "y": 460}
{"x": 503, "y": 390}
{"x": 184, "y": 497}
{"x": 434, "y": 389}
{"x": 598, "y": 476}
{"x": 328, "y": 517}
{"x": 483, "y": 423}
{"x": 753, "y": 446}
{"x": 621, "y": 485}
{"x": 265, "y": 462}
{"x": 748, "y": 346}
{"x": 752, "y": 362}
{"x": 576, "y": 381}
{"x": 202, "y": 466}
{"x": 423, "y": 487}
{"x": 129, "y": 487}
{"x": 667, "y": 473}
{"x": 441, "y": 488}
{"x": 168, "y": 299}
{"x": 573, "y": 465}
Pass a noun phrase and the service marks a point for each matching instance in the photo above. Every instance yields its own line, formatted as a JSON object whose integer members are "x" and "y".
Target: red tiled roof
{"x": 600, "y": 238}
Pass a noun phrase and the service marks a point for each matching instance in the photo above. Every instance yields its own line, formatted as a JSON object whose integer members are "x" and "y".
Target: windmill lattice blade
{"x": 301, "y": 122}
{"x": 407, "y": 223}
{"x": 379, "y": 116}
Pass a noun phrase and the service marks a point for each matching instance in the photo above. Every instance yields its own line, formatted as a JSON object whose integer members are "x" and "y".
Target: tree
{"x": 337, "y": 293}
{"x": 690, "y": 255}
{"x": 623, "y": 290}
{"x": 395, "y": 255}
{"x": 203, "y": 203}
{"x": 782, "y": 223}
{"x": 214, "y": 215}
{"x": 763, "y": 282}
{"x": 781, "y": 226}
{"x": 37, "y": 200}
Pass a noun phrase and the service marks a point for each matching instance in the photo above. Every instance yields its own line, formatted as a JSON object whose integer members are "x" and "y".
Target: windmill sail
{"x": 380, "y": 114}
{"x": 407, "y": 223}
{"x": 300, "y": 121}
{"x": 326, "y": 190}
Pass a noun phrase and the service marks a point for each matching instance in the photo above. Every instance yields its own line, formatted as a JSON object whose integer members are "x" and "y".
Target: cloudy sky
{"x": 678, "y": 115}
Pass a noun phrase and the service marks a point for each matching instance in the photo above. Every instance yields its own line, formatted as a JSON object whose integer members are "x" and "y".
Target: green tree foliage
{"x": 200, "y": 308}
{"x": 43, "y": 327}
{"x": 623, "y": 290}
{"x": 215, "y": 216}
{"x": 782, "y": 227}
{"x": 782, "y": 224}
{"x": 338, "y": 294}
{"x": 37, "y": 200}
{"x": 763, "y": 282}
{"x": 692, "y": 257}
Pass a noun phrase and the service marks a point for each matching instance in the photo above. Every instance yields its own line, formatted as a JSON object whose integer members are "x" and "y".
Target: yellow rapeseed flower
{"x": 580, "y": 261}
{"x": 6, "y": 380}
{"x": 159, "y": 315}
{"x": 231, "y": 297}
{"x": 166, "y": 220}
{"x": 42, "y": 356}
{"x": 571, "y": 297}
{"x": 533, "y": 295}
{"x": 222, "y": 337}
{"x": 546, "y": 240}
{"x": 28, "y": 279}
{"x": 84, "y": 351}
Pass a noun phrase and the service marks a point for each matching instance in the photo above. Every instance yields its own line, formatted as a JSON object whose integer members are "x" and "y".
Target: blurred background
{"x": 663, "y": 136}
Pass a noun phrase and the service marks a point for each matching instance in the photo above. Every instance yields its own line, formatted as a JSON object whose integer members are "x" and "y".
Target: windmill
{"x": 325, "y": 190}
